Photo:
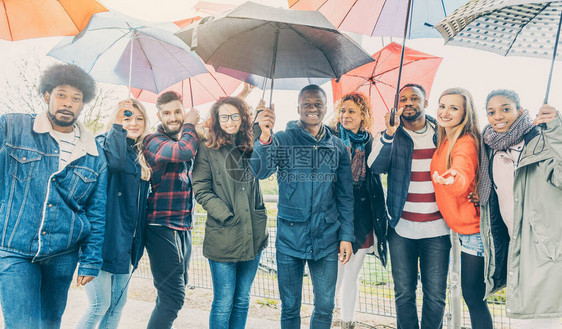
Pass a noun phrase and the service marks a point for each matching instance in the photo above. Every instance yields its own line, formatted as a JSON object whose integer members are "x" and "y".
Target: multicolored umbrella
{"x": 378, "y": 79}
{"x": 30, "y": 19}
{"x": 382, "y": 18}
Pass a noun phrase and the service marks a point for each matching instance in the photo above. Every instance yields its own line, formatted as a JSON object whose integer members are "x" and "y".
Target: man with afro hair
{"x": 53, "y": 179}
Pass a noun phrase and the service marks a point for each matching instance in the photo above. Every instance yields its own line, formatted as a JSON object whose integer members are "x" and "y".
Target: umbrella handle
{"x": 553, "y": 59}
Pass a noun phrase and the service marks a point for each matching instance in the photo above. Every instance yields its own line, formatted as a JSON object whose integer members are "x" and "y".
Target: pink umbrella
{"x": 197, "y": 90}
{"x": 378, "y": 79}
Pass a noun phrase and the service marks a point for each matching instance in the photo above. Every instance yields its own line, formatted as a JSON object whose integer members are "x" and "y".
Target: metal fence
{"x": 376, "y": 290}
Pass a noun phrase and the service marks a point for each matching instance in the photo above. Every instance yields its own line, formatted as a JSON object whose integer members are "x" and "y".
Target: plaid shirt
{"x": 170, "y": 201}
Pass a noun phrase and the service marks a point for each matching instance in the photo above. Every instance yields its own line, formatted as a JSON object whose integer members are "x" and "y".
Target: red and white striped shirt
{"x": 421, "y": 218}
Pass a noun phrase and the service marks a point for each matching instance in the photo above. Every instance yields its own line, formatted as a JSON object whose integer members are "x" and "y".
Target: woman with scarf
{"x": 520, "y": 191}
{"x": 352, "y": 123}
{"x": 455, "y": 167}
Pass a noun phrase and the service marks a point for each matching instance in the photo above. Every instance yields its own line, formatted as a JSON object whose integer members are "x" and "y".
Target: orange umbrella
{"x": 27, "y": 19}
{"x": 378, "y": 79}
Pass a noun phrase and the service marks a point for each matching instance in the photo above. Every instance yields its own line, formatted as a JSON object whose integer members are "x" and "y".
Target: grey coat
{"x": 534, "y": 256}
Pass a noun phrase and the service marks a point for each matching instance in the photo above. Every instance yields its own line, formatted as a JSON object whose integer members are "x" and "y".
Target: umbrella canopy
{"x": 382, "y": 18}
{"x": 280, "y": 84}
{"x": 45, "y": 18}
{"x": 378, "y": 79}
{"x": 516, "y": 27}
{"x": 122, "y": 50}
{"x": 274, "y": 42}
{"x": 201, "y": 89}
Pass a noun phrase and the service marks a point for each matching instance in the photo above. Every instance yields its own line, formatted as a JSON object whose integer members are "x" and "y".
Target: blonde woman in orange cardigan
{"x": 455, "y": 166}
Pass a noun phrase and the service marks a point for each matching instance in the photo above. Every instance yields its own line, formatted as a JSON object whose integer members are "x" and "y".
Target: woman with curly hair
{"x": 235, "y": 231}
{"x": 352, "y": 123}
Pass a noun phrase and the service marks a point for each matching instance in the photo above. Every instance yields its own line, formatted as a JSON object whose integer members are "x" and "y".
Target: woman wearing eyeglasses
{"x": 235, "y": 231}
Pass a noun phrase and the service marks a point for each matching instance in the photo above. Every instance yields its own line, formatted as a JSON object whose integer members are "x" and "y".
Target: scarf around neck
{"x": 499, "y": 142}
{"x": 355, "y": 143}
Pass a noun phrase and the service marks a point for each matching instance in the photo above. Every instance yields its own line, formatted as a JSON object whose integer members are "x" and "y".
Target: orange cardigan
{"x": 461, "y": 215}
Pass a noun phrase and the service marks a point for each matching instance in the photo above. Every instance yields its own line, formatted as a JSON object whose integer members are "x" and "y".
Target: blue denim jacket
{"x": 43, "y": 211}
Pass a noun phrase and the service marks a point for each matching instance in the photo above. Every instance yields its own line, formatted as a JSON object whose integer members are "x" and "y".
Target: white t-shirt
{"x": 420, "y": 203}
{"x": 67, "y": 143}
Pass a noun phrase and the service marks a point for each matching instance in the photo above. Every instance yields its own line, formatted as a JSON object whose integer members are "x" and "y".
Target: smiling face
{"x": 413, "y": 102}
{"x": 312, "y": 107}
{"x": 350, "y": 116}
{"x": 502, "y": 113}
{"x": 134, "y": 124}
{"x": 451, "y": 111}
{"x": 229, "y": 119}
{"x": 172, "y": 116}
{"x": 65, "y": 104}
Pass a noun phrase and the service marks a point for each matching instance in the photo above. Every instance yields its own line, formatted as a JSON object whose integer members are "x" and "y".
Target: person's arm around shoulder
{"x": 203, "y": 191}
{"x": 261, "y": 167}
{"x": 553, "y": 139}
{"x": 464, "y": 163}
{"x": 344, "y": 203}
{"x": 381, "y": 150}
{"x": 91, "y": 247}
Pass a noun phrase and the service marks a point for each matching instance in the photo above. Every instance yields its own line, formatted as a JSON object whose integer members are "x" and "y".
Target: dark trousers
{"x": 169, "y": 252}
{"x": 433, "y": 256}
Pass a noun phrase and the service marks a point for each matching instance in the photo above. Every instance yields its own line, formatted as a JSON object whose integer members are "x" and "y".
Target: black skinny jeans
{"x": 169, "y": 252}
{"x": 473, "y": 290}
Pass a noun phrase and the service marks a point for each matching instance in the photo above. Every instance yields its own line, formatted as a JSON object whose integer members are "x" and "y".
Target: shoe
{"x": 347, "y": 324}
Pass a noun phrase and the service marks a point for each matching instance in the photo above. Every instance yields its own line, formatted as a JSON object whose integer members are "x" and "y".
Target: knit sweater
{"x": 460, "y": 214}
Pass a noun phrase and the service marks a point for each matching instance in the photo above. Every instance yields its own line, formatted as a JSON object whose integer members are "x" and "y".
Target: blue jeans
{"x": 107, "y": 295}
{"x": 433, "y": 255}
{"x": 33, "y": 295}
{"x": 232, "y": 283}
{"x": 323, "y": 273}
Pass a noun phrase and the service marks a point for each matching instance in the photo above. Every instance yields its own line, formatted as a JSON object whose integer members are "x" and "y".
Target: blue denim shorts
{"x": 472, "y": 244}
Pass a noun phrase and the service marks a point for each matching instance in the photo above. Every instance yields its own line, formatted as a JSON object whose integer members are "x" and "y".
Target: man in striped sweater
{"x": 418, "y": 231}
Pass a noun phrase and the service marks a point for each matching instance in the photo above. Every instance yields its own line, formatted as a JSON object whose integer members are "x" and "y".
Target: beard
{"x": 61, "y": 123}
{"x": 172, "y": 132}
{"x": 413, "y": 117}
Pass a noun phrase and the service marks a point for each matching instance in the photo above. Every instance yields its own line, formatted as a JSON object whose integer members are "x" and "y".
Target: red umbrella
{"x": 378, "y": 79}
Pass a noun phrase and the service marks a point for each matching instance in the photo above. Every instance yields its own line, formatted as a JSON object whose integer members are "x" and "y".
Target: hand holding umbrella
{"x": 392, "y": 125}
{"x": 192, "y": 116}
{"x": 266, "y": 121}
{"x": 125, "y": 108}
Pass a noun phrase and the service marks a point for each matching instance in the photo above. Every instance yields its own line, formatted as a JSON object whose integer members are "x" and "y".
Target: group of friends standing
{"x": 68, "y": 198}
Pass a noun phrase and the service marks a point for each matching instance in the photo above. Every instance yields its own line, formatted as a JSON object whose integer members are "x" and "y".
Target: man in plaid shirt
{"x": 170, "y": 153}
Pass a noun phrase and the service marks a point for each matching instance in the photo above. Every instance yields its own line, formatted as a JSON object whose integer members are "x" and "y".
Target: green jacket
{"x": 223, "y": 184}
{"x": 534, "y": 255}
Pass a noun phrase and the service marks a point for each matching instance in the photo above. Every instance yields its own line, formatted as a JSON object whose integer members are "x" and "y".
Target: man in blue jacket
{"x": 315, "y": 209}
{"x": 52, "y": 202}
{"x": 418, "y": 231}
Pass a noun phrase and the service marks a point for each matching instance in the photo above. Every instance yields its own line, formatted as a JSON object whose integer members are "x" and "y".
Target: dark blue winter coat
{"x": 126, "y": 203}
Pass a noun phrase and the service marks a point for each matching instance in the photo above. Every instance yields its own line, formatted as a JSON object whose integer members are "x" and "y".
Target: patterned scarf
{"x": 498, "y": 142}
{"x": 356, "y": 147}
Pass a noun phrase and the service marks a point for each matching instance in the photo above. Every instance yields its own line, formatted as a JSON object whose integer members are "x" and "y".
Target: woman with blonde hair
{"x": 455, "y": 176}
{"x": 235, "y": 230}
{"x": 127, "y": 188}
{"x": 352, "y": 123}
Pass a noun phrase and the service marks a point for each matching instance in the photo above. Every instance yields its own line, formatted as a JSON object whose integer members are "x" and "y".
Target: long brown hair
{"x": 469, "y": 125}
{"x": 145, "y": 168}
{"x": 362, "y": 101}
{"x": 217, "y": 138}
